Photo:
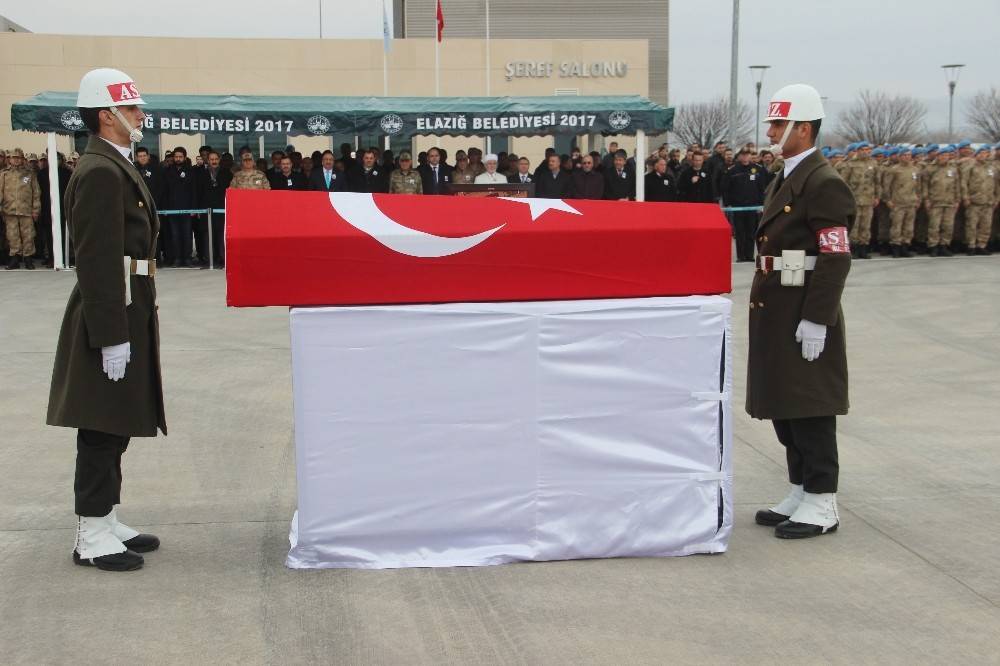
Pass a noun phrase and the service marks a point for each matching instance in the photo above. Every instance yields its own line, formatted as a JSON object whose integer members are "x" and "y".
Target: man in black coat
{"x": 554, "y": 183}
{"x": 367, "y": 177}
{"x": 152, "y": 175}
{"x": 288, "y": 178}
{"x": 523, "y": 175}
{"x": 435, "y": 174}
{"x": 43, "y": 226}
{"x": 326, "y": 178}
{"x": 213, "y": 181}
{"x": 660, "y": 185}
{"x": 588, "y": 183}
{"x": 694, "y": 185}
{"x": 743, "y": 186}
{"x": 180, "y": 192}
{"x": 619, "y": 182}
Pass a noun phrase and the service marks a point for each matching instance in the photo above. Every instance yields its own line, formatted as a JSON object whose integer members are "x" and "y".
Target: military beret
{"x": 31, "y": 157}
{"x": 917, "y": 151}
{"x": 863, "y": 144}
{"x": 964, "y": 143}
{"x": 946, "y": 149}
{"x": 17, "y": 152}
{"x": 405, "y": 156}
{"x": 851, "y": 147}
{"x": 984, "y": 148}
{"x": 878, "y": 152}
{"x": 933, "y": 148}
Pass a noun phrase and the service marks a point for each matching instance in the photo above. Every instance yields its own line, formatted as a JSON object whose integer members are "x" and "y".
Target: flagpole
{"x": 488, "y": 48}
{"x": 437, "y": 67}
{"x": 385, "y": 54}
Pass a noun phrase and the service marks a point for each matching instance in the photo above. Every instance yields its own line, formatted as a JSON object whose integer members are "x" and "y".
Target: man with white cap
{"x": 490, "y": 176}
{"x": 106, "y": 381}
{"x": 797, "y": 361}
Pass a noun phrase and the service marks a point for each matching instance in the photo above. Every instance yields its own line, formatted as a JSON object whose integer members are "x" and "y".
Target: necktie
{"x": 524, "y": 179}
{"x": 326, "y": 174}
{"x": 435, "y": 175}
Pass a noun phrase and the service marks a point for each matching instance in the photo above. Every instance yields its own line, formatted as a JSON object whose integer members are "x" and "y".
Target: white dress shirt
{"x": 126, "y": 151}
{"x": 792, "y": 162}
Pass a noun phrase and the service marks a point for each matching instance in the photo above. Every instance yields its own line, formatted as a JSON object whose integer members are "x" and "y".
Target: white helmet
{"x": 798, "y": 102}
{"x": 103, "y": 88}
{"x": 107, "y": 88}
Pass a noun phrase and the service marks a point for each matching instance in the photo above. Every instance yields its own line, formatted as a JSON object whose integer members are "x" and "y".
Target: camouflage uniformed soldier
{"x": 405, "y": 179}
{"x": 3, "y": 159}
{"x": 885, "y": 162}
{"x": 21, "y": 202}
{"x": 901, "y": 191}
{"x": 862, "y": 177}
{"x": 463, "y": 174}
{"x": 941, "y": 195}
{"x": 249, "y": 177}
{"x": 980, "y": 189}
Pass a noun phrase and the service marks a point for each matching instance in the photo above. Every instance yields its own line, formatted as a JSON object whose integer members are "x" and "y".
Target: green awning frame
{"x": 401, "y": 117}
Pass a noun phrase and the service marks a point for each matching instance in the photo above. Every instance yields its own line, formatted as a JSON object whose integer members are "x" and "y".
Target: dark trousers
{"x": 219, "y": 238}
{"x": 43, "y": 237}
{"x": 180, "y": 239}
{"x": 200, "y": 226}
{"x": 811, "y": 451}
{"x": 165, "y": 240}
{"x": 98, "y": 482}
{"x": 744, "y": 225}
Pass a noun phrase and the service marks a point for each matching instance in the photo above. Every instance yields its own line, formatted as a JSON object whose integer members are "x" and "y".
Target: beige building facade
{"x": 31, "y": 63}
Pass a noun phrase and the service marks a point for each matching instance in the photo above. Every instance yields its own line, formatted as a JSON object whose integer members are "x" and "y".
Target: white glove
{"x": 813, "y": 339}
{"x": 115, "y": 358}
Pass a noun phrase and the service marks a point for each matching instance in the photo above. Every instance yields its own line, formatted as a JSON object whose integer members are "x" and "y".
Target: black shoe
{"x": 933, "y": 251}
{"x": 905, "y": 252}
{"x": 897, "y": 252}
{"x": 769, "y": 518}
{"x": 864, "y": 252}
{"x": 970, "y": 251}
{"x": 142, "y": 543}
{"x": 127, "y": 561}
{"x": 790, "y": 530}
{"x": 13, "y": 263}
{"x": 29, "y": 263}
{"x": 981, "y": 252}
{"x": 944, "y": 251}
{"x": 854, "y": 252}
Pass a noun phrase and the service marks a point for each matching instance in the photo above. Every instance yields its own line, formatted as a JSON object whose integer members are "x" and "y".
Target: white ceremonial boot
{"x": 97, "y": 545}
{"x": 815, "y": 515}
{"x": 132, "y": 539}
{"x": 780, "y": 512}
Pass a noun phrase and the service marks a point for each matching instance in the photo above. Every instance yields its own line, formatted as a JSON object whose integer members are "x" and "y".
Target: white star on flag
{"x": 539, "y": 206}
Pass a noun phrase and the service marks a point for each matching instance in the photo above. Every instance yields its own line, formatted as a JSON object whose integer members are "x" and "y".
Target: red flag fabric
{"x": 440, "y": 20}
{"x": 341, "y": 248}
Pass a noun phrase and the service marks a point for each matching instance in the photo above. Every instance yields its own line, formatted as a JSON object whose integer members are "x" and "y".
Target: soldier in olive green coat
{"x": 106, "y": 381}
{"x": 797, "y": 359}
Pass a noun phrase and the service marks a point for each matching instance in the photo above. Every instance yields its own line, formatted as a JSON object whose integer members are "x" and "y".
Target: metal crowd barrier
{"x": 207, "y": 212}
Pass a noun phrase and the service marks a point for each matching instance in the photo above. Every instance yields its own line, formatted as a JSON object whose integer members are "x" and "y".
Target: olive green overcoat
{"x": 781, "y": 384}
{"x": 110, "y": 214}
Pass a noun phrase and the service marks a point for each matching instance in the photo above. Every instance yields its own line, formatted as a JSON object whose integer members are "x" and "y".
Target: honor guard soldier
{"x": 901, "y": 193}
{"x": 249, "y": 177}
{"x": 21, "y": 204}
{"x": 106, "y": 381}
{"x": 980, "y": 196}
{"x": 405, "y": 179}
{"x": 797, "y": 361}
{"x": 862, "y": 177}
{"x": 942, "y": 193}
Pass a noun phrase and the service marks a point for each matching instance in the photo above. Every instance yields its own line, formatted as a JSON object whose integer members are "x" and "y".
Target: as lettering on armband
{"x": 833, "y": 240}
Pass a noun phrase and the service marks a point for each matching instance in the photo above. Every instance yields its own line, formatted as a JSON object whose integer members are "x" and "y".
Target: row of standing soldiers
{"x": 928, "y": 196}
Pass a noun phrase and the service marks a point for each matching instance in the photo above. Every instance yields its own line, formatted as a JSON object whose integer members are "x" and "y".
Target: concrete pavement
{"x": 912, "y": 576}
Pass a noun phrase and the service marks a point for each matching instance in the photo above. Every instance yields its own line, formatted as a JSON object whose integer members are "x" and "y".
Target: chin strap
{"x": 776, "y": 148}
{"x": 134, "y": 133}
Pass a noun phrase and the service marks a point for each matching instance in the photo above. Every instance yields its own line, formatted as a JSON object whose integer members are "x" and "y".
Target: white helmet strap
{"x": 776, "y": 148}
{"x": 134, "y": 133}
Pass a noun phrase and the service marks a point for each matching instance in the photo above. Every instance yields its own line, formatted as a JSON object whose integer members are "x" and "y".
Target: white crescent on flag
{"x": 359, "y": 210}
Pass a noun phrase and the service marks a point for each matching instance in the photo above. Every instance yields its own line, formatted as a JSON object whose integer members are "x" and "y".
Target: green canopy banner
{"x": 393, "y": 116}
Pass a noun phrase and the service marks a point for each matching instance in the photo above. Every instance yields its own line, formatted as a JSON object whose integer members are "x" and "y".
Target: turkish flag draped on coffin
{"x": 314, "y": 248}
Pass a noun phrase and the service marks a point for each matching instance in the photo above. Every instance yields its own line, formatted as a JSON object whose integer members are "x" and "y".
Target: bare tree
{"x": 879, "y": 118}
{"x": 983, "y": 113}
{"x": 705, "y": 123}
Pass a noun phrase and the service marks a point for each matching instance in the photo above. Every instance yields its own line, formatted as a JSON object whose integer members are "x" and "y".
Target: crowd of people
{"x": 910, "y": 199}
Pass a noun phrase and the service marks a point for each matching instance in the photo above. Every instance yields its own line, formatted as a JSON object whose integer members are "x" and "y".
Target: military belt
{"x": 768, "y": 264}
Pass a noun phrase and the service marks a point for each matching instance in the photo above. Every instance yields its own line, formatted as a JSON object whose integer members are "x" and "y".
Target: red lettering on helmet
{"x": 779, "y": 109}
{"x": 833, "y": 240}
{"x": 121, "y": 92}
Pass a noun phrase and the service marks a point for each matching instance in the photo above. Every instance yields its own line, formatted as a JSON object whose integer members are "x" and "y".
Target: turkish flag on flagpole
{"x": 440, "y": 20}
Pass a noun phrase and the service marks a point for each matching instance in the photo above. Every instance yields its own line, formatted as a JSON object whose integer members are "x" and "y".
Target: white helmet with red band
{"x": 798, "y": 102}
{"x": 103, "y": 88}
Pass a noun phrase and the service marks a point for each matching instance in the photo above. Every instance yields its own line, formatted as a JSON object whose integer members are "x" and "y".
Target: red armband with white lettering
{"x": 833, "y": 240}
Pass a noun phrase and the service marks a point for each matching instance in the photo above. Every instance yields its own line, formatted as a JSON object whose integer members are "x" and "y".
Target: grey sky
{"x": 840, "y": 46}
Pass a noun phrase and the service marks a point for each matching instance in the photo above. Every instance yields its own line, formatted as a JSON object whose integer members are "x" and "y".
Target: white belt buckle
{"x": 793, "y": 268}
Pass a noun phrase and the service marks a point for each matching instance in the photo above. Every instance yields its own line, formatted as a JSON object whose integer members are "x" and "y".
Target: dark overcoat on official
{"x": 110, "y": 214}
{"x": 780, "y": 383}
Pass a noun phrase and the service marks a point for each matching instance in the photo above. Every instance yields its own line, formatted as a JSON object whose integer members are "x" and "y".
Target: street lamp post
{"x": 733, "y": 87}
{"x": 951, "y": 73}
{"x": 757, "y": 72}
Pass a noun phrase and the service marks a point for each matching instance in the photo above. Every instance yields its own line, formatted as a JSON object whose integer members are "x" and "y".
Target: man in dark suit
{"x": 288, "y": 178}
{"x": 435, "y": 174}
{"x": 523, "y": 174}
{"x": 660, "y": 185}
{"x": 588, "y": 183}
{"x": 797, "y": 359}
{"x": 554, "y": 183}
{"x": 367, "y": 177}
{"x": 213, "y": 181}
{"x": 180, "y": 192}
{"x": 742, "y": 187}
{"x": 694, "y": 184}
{"x": 619, "y": 182}
{"x": 326, "y": 178}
